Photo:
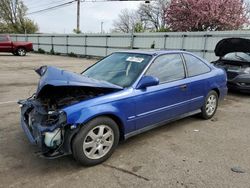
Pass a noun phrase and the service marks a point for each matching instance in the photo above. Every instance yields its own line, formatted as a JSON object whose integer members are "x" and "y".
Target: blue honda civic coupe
{"x": 122, "y": 95}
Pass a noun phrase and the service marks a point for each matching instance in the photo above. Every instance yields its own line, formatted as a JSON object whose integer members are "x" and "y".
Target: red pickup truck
{"x": 17, "y": 48}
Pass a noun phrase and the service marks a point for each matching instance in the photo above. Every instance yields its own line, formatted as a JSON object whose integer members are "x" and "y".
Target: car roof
{"x": 153, "y": 51}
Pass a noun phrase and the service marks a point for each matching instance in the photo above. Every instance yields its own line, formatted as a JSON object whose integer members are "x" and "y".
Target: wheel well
{"x": 119, "y": 123}
{"x": 18, "y": 47}
{"x": 217, "y": 91}
{"x": 111, "y": 116}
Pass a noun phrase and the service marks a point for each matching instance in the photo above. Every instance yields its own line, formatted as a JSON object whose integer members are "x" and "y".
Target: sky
{"x": 63, "y": 20}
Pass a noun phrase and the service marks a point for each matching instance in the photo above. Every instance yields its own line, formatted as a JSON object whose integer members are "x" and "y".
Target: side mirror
{"x": 147, "y": 81}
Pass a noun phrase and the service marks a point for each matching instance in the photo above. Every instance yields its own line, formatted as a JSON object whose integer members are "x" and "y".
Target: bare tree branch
{"x": 148, "y": 17}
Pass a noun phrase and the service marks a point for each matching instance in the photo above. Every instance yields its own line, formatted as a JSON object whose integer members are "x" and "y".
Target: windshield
{"x": 119, "y": 68}
{"x": 237, "y": 56}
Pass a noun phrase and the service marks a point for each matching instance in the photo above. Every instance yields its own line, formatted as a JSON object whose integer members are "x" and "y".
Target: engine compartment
{"x": 44, "y": 107}
{"x": 233, "y": 65}
{"x": 56, "y": 97}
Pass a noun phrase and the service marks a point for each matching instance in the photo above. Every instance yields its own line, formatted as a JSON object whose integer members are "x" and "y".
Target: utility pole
{"x": 78, "y": 17}
{"x": 102, "y": 27}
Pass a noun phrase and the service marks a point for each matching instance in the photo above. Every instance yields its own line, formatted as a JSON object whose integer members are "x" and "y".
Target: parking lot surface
{"x": 187, "y": 153}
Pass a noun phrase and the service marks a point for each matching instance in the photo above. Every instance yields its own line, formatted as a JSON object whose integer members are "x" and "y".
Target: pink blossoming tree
{"x": 206, "y": 15}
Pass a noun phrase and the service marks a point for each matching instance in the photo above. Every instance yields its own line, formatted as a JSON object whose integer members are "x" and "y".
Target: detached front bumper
{"x": 48, "y": 136}
{"x": 29, "y": 131}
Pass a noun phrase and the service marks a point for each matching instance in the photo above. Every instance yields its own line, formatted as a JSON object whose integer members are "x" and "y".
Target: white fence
{"x": 200, "y": 43}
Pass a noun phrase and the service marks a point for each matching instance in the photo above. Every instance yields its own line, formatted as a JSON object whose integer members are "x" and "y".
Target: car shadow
{"x": 238, "y": 93}
{"x": 30, "y": 160}
{"x": 168, "y": 127}
{"x": 6, "y": 55}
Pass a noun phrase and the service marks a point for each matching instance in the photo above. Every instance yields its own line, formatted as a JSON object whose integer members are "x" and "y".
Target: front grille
{"x": 231, "y": 75}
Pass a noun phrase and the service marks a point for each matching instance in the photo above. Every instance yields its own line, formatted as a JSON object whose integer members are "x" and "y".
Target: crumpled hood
{"x": 229, "y": 45}
{"x": 57, "y": 77}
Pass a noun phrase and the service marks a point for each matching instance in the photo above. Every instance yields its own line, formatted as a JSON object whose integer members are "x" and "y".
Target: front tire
{"x": 21, "y": 51}
{"x": 210, "y": 105}
{"x": 14, "y": 53}
{"x": 96, "y": 141}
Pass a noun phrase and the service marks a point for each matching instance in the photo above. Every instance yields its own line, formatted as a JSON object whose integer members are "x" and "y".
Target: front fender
{"x": 84, "y": 115}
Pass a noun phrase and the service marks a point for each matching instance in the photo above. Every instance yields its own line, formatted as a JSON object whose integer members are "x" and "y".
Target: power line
{"x": 31, "y": 3}
{"x": 42, "y": 5}
{"x": 70, "y": 2}
{"x": 78, "y": 8}
{"x": 52, "y": 8}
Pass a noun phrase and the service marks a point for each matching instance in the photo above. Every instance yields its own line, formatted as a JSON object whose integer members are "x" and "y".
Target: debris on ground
{"x": 214, "y": 119}
{"x": 237, "y": 169}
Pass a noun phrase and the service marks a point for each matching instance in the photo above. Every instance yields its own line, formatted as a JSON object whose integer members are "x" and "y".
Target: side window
{"x": 167, "y": 68}
{"x": 3, "y": 39}
{"x": 195, "y": 66}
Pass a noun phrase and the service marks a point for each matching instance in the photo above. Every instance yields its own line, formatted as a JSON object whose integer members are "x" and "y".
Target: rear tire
{"x": 21, "y": 51}
{"x": 96, "y": 141}
{"x": 210, "y": 105}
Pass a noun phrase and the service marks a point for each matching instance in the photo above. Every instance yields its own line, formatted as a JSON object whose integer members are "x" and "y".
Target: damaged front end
{"x": 44, "y": 128}
{"x": 42, "y": 116}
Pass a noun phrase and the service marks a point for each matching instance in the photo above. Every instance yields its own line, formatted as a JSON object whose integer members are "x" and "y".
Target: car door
{"x": 198, "y": 80}
{"x": 5, "y": 44}
{"x": 167, "y": 100}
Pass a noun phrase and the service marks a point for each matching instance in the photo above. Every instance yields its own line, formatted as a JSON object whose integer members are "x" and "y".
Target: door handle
{"x": 183, "y": 87}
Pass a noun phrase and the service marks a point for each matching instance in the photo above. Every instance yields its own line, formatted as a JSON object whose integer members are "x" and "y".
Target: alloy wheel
{"x": 98, "y": 142}
{"x": 21, "y": 52}
{"x": 211, "y": 105}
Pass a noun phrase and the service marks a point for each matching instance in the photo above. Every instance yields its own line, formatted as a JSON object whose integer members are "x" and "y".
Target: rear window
{"x": 195, "y": 66}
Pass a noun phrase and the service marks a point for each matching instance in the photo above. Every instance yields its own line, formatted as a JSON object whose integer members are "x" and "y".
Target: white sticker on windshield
{"x": 135, "y": 59}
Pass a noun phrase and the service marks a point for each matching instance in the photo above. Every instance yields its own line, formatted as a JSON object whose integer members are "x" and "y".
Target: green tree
{"x": 13, "y": 18}
{"x": 76, "y": 31}
{"x": 138, "y": 28}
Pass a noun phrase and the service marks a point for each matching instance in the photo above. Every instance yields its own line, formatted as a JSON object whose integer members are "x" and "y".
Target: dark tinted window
{"x": 167, "y": 68}
{"x": 195, "y": 66}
